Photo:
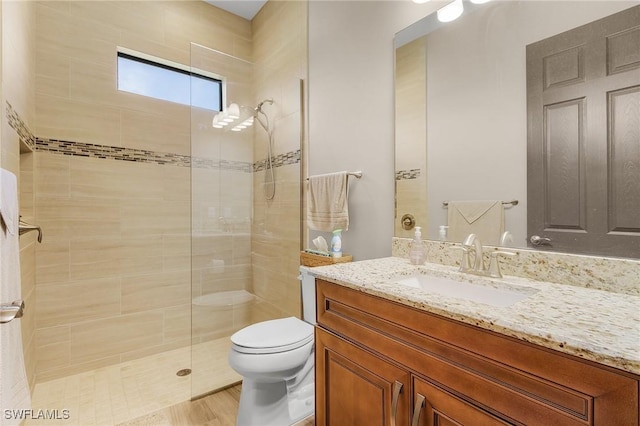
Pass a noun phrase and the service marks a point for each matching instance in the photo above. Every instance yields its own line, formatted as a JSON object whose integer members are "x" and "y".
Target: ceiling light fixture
{"x": 451, "y": 11}
{"x": 229, "y": 115}
{"x": 480, "y": 1}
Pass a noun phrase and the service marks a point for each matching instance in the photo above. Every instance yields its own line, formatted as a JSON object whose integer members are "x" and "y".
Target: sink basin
{"x": 502, "y": 296}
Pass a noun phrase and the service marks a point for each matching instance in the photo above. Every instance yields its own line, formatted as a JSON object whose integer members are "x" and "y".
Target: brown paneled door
{"x": 583, "y": 142}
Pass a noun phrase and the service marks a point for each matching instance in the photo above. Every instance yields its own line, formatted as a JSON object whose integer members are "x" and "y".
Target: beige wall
{"x": 351, "y": 109}
{"x": 18, "y": 67}
{"x": 114, "y": 270}
{"x": 280, "y": 62}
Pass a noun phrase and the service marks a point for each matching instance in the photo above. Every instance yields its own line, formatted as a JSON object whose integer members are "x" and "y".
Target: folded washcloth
{"x": 483, "y": 218}
{"x": 327, "y": 203}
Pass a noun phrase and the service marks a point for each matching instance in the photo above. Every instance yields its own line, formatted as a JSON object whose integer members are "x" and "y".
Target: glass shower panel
{"x": 221, "y": 186}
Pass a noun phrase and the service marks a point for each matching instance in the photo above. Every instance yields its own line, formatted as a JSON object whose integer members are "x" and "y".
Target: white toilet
{"x": 275, "y": 359}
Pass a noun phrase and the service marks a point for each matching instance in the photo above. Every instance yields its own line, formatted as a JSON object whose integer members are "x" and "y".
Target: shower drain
{"x": 183, "y": 372}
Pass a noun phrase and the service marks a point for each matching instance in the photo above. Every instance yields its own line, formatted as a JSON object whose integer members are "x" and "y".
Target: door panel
{"x": 583, "y": 149}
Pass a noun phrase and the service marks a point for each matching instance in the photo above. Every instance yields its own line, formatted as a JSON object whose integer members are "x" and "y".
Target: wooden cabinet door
{"x": 434, "y": 406}
{"x": 355, "y": 387}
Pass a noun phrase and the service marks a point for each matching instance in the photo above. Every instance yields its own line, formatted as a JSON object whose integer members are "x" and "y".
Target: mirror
{"x": 461, "y": 108}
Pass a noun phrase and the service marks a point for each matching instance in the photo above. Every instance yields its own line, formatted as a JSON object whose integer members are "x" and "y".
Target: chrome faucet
{"x": 472, "y": 243}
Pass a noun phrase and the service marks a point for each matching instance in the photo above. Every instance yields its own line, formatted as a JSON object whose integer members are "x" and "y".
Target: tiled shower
{"x": 157, "y": 235}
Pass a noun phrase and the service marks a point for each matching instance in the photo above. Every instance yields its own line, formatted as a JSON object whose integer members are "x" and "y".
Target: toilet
{"x": 275, "y": 359}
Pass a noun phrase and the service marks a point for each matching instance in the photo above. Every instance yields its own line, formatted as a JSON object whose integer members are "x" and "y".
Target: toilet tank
{"x": 308, "y": 286}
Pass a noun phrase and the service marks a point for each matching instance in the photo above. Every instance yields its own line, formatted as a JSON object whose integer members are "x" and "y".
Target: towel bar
{"x": 357, "y": 174}
{"x": 512, "y": 202}
{"x": 24, "y": 227}
{"x": 11, "y": 311}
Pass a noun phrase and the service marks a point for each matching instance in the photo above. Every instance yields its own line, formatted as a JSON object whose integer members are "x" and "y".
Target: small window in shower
{"x": 169, "y": 81}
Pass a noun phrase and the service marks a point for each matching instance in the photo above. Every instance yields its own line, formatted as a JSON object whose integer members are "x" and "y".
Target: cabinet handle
{"x": 397, "y": 390}
{"x": 417, "y": 409}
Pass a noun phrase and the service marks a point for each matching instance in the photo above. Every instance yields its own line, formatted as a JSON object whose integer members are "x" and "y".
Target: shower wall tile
{"x": 123, "y": 223}
{"x": 50, "y": 335}
{"x": 137, "y": 354}
{"x": 81, "y": 301}
{"x": 176, "y": 251}
{"x": 212, "y": 280}
{"x": 279, "y": 55}
{"x": 140, "y": 254}
{"x": 177, "y": 324}
{"x": 74, "y": 368}
{"x": 156, "y": 131}
{"x": 53, "y": 356}
{"x": 152, "y": 291}
{"x": 58, "y": 178}
{"x": 115, "y": 335}
{"x": 75, "y": 120}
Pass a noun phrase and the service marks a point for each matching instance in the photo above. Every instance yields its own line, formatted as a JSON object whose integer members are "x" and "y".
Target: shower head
{"x": 259, "y": 107}
{"x": 258, "y": 110}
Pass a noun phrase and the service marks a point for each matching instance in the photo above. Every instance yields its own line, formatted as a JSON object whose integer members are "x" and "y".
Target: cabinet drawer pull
{"x": 397, "y": 390}
{"x": 417, "y": 409}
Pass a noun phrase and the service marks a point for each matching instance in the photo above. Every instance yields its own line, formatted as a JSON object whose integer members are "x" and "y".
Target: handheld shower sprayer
{"x": 266, "y": 101}
{"x": 258, "y": 110}
{"x": 269, "y": 178}
{"x": 232, "y": 113}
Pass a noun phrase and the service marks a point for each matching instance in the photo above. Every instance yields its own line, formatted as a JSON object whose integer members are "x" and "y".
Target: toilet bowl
{"x": 276, "y": 361}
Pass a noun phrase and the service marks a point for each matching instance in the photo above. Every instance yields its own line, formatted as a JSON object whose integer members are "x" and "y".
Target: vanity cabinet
{"x": 379, "y": 362}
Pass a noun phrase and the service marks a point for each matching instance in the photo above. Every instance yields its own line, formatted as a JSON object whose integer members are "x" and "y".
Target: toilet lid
{"x": 273, "y": 336}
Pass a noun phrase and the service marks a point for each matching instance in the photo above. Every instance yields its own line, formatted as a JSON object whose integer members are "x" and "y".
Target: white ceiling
{"x": 245, "y": 8}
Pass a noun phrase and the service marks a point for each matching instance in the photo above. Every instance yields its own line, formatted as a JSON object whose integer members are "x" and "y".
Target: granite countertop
{"x": 596, "y": 325}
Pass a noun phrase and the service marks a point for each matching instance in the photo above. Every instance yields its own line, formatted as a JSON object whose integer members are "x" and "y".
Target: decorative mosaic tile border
{"x": 162, "y": 158}
{"x": 17, "y": 123}
{"x": 210, "y": 163}
{"x": 407, "y": 174}
{"x": 111, "y": 152}
{"x": 292, "y": 157}
{"x": 81, "y": 149}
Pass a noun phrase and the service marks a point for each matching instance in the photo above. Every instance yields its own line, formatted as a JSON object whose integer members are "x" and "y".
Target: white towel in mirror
{"x": 485, "y": 218}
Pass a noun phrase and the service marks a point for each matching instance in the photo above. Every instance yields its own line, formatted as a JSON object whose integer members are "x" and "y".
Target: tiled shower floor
{"x": 126, "y": 391}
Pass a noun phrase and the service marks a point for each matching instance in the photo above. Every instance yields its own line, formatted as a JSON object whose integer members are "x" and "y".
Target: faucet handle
{"x": 494, "y": 265}
{"x": 465, "y": 262}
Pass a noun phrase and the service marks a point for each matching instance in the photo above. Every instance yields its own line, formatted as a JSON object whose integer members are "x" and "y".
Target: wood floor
{"x": 218, "y": 409}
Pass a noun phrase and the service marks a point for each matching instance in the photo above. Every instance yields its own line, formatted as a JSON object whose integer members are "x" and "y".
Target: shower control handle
{"x": 408, "y": 222}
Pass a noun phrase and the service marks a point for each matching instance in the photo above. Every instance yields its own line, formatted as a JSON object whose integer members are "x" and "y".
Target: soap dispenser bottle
{"x": 418, "y": 252}
{"x": 336, "y": 243}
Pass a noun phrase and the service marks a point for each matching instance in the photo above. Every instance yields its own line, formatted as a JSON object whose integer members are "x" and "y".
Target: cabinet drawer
{"x": 510, "y": 379}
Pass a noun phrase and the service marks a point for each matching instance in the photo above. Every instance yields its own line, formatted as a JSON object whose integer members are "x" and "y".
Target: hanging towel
{"x": 14, "y": 388}
{"x": 327, "y": 203}
{"x": 483, "y": 218}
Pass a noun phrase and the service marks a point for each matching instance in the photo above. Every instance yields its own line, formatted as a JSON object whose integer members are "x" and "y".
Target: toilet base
{"x": 269, "y": 404}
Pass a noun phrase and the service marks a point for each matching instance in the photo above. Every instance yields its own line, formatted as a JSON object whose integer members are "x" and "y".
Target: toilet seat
{"x": 273, "y": 336}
